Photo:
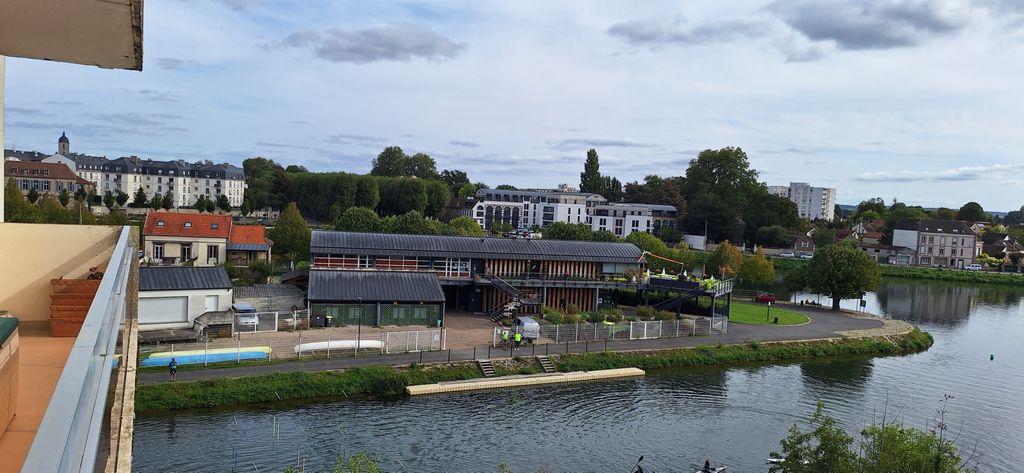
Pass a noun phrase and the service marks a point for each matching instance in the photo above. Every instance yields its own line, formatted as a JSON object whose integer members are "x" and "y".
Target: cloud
{"x": 657, "y": 32}
{"x": 467, "y": 144}
{"x": 26, "y": 111}
{"x": 63, "y": 102}
{"x": 105, "y": 129}
{"x": 242, "y": 5}
{"x": 345, "y": 138}
{"x": 870, "y": 24}
{"x": 139, "y": 119}
{"x": 169, "y": 63}
{"x": 572, "y": 143}
{"x": 965, "y": 173}
{"x": 157, "y": 96}
{"x": 382, "y": 43}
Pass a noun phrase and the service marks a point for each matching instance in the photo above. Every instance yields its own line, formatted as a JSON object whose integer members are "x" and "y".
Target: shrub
{"x": 572, "y": 319}
{"x": 611, "y": 314}
{"x": 593, "y": 317}
{"x": 664, "y": 315}
{"x": 554, "y": 317}
{"x": 645, "y": 312}
{"x": 573, "y": 309}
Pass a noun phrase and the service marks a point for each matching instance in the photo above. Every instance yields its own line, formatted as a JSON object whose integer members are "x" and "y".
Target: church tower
{"x": 63, "y": 144}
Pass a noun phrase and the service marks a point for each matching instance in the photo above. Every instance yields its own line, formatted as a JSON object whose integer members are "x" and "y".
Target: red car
{"x": 765, "y": 298}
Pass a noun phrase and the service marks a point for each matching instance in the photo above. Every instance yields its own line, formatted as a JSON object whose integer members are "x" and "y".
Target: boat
{"x": 777, "y": 461}
{"x": 212, "y": 351}
{"x": 338, "y": 345}
{"x": 203, "y": 358}
{"x": 713, "y": 470}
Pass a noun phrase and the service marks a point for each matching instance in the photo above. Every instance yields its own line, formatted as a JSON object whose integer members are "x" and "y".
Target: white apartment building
{"x": 812, "y": 203}
{"x": 532, "y": 208}
{"x": 186, "y": 181}
{"x": 938, "y": 243}
{"x": 620, "y": 219}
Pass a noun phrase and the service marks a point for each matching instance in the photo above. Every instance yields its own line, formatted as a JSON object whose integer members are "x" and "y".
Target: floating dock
{"x": 521, "y": 380}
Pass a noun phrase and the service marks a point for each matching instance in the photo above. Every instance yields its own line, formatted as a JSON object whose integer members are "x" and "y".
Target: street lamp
{"x": 768, "y": 316}
{"x": 359, "y": 328}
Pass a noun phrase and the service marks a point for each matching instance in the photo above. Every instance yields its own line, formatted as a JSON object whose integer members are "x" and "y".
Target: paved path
{"x": 824, "y": 324}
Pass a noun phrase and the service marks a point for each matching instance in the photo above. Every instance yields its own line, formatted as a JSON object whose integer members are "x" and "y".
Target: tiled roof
{"x": 54, "y": 171}
{"x": 951, "y": 227}
{"x": 385, "y": 286}
{"x": 472, "y": 247}
{"x": 187, "y": 225}
{"x": 251, "y": 234}
{"x": 182, "y": 278}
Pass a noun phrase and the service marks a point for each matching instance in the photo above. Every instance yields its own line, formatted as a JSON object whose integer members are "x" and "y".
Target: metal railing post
{"x": 328, "y": 347}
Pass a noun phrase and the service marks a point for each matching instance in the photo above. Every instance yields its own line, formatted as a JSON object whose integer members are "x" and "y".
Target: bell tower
{"x": 63, "y": 144}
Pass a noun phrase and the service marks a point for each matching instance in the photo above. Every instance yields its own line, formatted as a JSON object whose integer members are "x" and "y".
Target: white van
{"x": 973, "y": 267}
{"x": 528, "y": 327}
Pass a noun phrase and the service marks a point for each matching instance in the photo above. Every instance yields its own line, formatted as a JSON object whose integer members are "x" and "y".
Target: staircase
{"x": 69, "y": 304}
{"x": 678, "y": 300}
{"x": 519, "y": 298}
{"x": 487, "y": 368}
{"x": 545, "y": 363}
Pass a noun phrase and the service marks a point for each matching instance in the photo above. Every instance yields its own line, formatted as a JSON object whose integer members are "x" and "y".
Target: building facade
{"x": 173, "y": 297}
{"x": 812, "y": 203}
{"x": 938, "y": 243}
{"x": 620, "y": 219}
{"x": 532, "y": 208}
{"x": 45, "y": 178}
{"x": 185, "y": 181}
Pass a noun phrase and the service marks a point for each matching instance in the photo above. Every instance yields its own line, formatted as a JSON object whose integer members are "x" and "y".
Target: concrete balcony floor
{"x": 42, "y": 361}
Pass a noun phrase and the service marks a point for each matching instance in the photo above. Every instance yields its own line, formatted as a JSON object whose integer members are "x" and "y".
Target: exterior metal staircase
{"x": 545, "y": 363}
{"x": 487, "y": 368}
{"x": 678, "y": 300}
{"x": 518, "y": 298}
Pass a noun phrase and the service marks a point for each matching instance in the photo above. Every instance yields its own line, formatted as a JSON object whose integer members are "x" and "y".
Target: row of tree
{"x": 360, "y": 219}
{"x": 49, "y": 208}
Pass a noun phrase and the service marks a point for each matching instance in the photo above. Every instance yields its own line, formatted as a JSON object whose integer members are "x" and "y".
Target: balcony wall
{"x": 32, "y": 254}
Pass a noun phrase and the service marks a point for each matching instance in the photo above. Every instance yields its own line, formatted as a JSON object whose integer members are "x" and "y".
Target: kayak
{"x": 713, "y": 470}
{"x": 339, "y": 345}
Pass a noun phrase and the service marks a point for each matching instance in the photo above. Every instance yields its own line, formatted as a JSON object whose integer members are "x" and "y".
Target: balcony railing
{"x": 69, "y": 435}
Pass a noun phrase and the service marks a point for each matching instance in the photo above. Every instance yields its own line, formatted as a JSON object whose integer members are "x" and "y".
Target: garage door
{"x": 163, "y": 310}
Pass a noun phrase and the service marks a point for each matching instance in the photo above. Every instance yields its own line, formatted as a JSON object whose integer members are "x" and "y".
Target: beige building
{"x": 180, "y": 238}
{"x": 938, "y": 243}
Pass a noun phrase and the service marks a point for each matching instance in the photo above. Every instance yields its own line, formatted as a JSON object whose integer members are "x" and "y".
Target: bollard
{"x": 606, "y": 345}
{"x": 546, "y": 345}
{"x": 421, "y": 357}
{"x": 328, "y": 347}
{"x": 586, "y": 346}
{"x": 474, "y": 353}
{"x": 566, "y": 348}
{"x": 449, "y": 355}
{"x": 534, "y": 348}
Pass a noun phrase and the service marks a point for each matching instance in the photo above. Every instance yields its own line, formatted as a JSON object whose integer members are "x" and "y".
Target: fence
{"x": 687, "y": 326}
{"x": 420, "y": 340}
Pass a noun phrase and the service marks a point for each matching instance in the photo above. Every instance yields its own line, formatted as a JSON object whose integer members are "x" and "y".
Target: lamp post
{"x": 359, "y": 327}
{"x": 768, "y": 316}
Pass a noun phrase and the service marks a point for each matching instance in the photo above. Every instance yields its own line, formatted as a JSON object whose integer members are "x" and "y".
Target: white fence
{"x": 262, "y": 322}
{"x": 420, "y": 340}
{"x": 640, "y": 330}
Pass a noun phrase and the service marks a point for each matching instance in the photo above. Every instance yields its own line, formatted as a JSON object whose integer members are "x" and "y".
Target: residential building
{"x": 620, "y": 219}
{"x": 173, "y": 296}
{"x": 887, "y": 254}
{"x": 532, "y": 208}
{"x": 662, "y": 216}
{"x": 1000, "y": 245}
{"x": 938, "y": 243}
{"x": 812, "y": 203}
{"x": 178, "y": 238}
{"x": 185, "y": 181}
{"x": 248, "y": 243}
{"x": 803, "y": 245}
{"x": 45, "y": 178}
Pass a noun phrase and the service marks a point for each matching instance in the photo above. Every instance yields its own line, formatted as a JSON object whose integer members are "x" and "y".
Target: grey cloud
{"x": 63, "y": 102}
{"x": 92, "y": 129}
{"x": 966, "y": 173}
{"x": 169, "y": 63}
{"x": 467, "y": 144}
{"x": 157, "y": 95}
{"x": 597, "y": 142}
{"x": 659, "y": 32}
{"x": 241, "y": 5}
{"x": 345, "y": 138}
{"x": 382, "y": 43}
{"x": 870, "y": 24}
{"x": 26, "y": 111}
{"x": 141, "y": 119}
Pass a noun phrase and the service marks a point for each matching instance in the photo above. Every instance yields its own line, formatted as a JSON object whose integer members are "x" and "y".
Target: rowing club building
{"x": 387, "y": 279}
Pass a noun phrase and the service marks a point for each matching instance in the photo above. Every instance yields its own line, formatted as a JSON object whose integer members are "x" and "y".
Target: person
{"x": 504, "y": 338}
{"x": 707, "y": 466}
{"x": 172, "y": 368}
{"x": 518, "y": 338}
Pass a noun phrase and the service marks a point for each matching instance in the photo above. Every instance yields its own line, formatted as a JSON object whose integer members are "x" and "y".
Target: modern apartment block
{"x": 939, "y": 243}
{"x": 620, "y": 219}
{"x": 186, "y": 181}
{"x": 529, "y": 208}
{"x": 812, "y": 203}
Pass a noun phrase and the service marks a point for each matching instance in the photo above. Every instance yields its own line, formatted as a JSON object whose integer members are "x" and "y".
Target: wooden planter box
{"x": 69, "y": 304}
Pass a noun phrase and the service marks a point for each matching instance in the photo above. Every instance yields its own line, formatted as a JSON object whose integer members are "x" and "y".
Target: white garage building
{"x": 173, "y": 296}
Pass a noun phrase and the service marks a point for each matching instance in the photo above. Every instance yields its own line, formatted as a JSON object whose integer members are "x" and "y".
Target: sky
{"x": 919, "y": 101}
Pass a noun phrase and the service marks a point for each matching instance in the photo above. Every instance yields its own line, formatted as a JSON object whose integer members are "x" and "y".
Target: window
{"x": 158, "y": 250}
{"x": 214, "y": 226}
{"x": 186, "y": 252}
{"x": 188, "y": 224}
{"x": 212, "y": 252}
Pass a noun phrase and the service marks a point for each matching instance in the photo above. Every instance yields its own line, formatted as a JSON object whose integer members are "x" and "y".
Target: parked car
{"x": 806, "y": 256}
{"x": 765, "y": 297}
{"x": 973, "y": 267}
{"x": 246, "y": 315}
{"x": 788, "y": 254}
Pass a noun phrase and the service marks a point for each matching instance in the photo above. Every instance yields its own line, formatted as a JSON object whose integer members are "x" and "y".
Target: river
{"x": 676, "y": 418}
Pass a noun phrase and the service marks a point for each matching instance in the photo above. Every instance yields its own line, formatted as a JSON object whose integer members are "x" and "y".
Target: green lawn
{"x": 754, "y": 314}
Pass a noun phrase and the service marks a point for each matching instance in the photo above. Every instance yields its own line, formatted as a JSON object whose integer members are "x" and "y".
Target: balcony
{"x": 62, "y": 412}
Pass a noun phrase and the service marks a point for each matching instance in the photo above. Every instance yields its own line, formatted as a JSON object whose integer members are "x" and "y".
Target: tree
{"x": 108, "y": 200}
{"x": 246, "y": 208}
{"x": 657, "y": 190}
{"x": 168, "y": 200}
{"x": 64, "y": 197}
{"x": 50, "y": 211}
{"x": 726, "y": 261}
{"x": 605, "y": 235}
{"x": 223, "y": 203}
{"x": 421, "y": 166}
{"x": 505, "y": 187}
{"x": 972, "y": 212}
{"x": 771, "y": 236}
{"x": 841, "y": 272}
{"x": 140, "y": 200}
{"x": 390, "y": 162}
{"x": 367, "y": 193}
{"x": 80, "y": 194}
{"x": 33, "y": 196}
{"x": 465, "y": 226}
{"x": 1012, "y": 217}
{"x": 438, "y": 197}
{"x": 467, "y": 190}
{"x": 294, "y": 168}
{"x": 823, "y": 237}
{"x": 116, "y": 217}
{"x": 290, "y": 234}
{"x": 455, "y": 180}
{"x": 413, "y": 223}
{"x": 567, "y": 231}
{"x": 758, "y": 269}
{"x": 943, "y": 213}
{"x": 400, "y": 196}
{"x": 612, "y": 189}
{"x": 17, "y": 209}
{"x": 875, "y": 203}
{"x": 707, "y": 211}
{"x": 652, "y": 244}
{"x": 724, "y": 173}
{"x": 209, "y": 205}
{"x": 157, "y": 203}
{"x": 122, "y": 199}
{"x": 200, "y": 204}
{"x": 358, "y": 219}
{"x": 590, "y": 178}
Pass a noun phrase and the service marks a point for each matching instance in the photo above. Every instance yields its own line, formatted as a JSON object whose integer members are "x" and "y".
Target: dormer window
{"x": 159, "y": 223}
{"x": 214, "y": 226}
{"x": 188, "y": 224}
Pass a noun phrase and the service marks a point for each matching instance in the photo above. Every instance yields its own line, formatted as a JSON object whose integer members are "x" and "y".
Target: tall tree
{"x": 33, "y": 195}
{"x": 122, "y": 199}
{"x": 421, "y": 166}
{"x": 64, "y": 197}
{"x": 841, "y": 272}
{"x": 943, "y": 213}
{"x": 758, "y": 269}
{"x": 467, "y": 190}
{"x": 140, "y": 201}
{"x": 390, "y": 162}
{"x": 972, "y": 212}
{"x": 290, "y": 234}
{"x": 246, "y": 208}
{"x": 367, "y": 193}
{"x": 168, "y": 200}
{"x": 358, "y": 219}
{"x": 17, "y": 209}
{"x": 505, "y": 187}
{"x": 725, "y": 262}
{"x": 455, "y": 179}
{"x": 590, "y": 178}
{"x": 724, "y": 173}
{"x": 200, "y": 204}
{"x": 438, "y": 197}
{"x": 157, "y": 203}
{"x": 223, "y": 203}
{"x": 612, "y": 189}
{"x": 108, "y": 200}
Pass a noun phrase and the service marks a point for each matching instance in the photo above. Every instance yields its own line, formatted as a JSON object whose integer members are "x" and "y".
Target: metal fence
{"x": 688, "y": 326}
{"x": 420, "y": 340}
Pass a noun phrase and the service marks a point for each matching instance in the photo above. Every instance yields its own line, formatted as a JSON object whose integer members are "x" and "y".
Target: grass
{"x": 754, "y": 314}
{"x": 390, "y": 382}
{"x": 958, "y": 275}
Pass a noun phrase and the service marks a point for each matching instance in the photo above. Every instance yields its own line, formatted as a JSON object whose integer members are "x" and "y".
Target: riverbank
{"x": 928, "y": 274}
{"x": 381, "y": 381}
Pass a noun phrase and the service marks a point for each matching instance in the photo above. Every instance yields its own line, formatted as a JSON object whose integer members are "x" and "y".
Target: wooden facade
{"x": 520, "y": 269}
{"x": 555, "y": 297}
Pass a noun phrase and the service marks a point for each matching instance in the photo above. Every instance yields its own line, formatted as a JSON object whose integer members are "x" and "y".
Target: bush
{"x": 593, "y": 317}
{"x": 572, "y": 319}
{"x": 258, "y": 271}
{"x": 573, "y": 309}
{"x": 645, "y": 312}
{"x": 231, "y": 270}
{"x": 554, "y": 317}
{"x": 611, "y": 314}
{"x": 664, "y": 315}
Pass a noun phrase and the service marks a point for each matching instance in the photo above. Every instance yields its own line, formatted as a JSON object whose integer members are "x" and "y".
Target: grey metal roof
{"x": 370, "y": 286}
{"x": 183, "y": 278}
{"x": 953, "y": 227}
{"x": 248, "y": 247}
{"x": 382, "y": 244}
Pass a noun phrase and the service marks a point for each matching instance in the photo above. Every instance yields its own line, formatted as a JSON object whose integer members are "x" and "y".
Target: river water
{"x": 675, "y": 418}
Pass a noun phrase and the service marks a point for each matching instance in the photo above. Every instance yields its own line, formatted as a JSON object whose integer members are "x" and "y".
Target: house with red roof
{"x": 248, "y": 243}
{"x": 180, "y": 238}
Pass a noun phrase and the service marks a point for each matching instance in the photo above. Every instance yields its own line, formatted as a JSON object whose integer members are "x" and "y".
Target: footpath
{"x": 824, "y": 324}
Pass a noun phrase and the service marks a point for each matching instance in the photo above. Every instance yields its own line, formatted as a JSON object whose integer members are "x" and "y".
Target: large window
{"x": 158, "y": 250}
{"x": 186, "y": 252}
{"x": 213, "y": 253}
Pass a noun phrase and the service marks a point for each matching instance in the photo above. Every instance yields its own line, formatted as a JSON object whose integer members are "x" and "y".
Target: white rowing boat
{"x": 713, "y": 470}
{"x": 338, "y": 345}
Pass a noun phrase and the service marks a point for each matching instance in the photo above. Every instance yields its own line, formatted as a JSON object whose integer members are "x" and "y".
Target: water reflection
{"x": 821, "y": 377}
{"x": 932, "y": 302}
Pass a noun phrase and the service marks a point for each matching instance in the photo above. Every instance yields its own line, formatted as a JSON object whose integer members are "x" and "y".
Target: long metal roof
{"x": 371, "y": 286}
{"x": 382, "y": 244}
{"x": 182, "y": 278}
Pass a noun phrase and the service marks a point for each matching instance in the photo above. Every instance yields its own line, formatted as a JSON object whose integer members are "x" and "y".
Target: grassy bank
{"x": 391, "y": 382}
{"x": 754, "y": 314}
{"x": 957, "y": 275}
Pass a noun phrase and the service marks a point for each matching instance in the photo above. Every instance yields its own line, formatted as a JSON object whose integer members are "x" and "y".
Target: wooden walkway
{"x": 521, "y": 380}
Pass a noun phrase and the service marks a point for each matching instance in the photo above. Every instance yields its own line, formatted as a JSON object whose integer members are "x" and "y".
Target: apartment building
{"x": 620, "y": 219}
{"x": 45, "y": 178}
{"x": 938, "y": 243}
{"x": 812, "y": 203}
{"x": 185, "y": 181}
{"x": 529, "y": 208}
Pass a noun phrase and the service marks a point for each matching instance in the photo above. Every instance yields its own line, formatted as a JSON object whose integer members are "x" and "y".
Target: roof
{"x": 389, "y": 286}
{"x": 873, "y": 235}
{"x": 992, "y": 237}
{"x": 182, "y": 278}
{"x": 248, "y": 238}
{"x": 54, "y": 171}
{"x": 187, "y": 225}
{"x": 951, "y": 227}
{"x": 380, "y": 244}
